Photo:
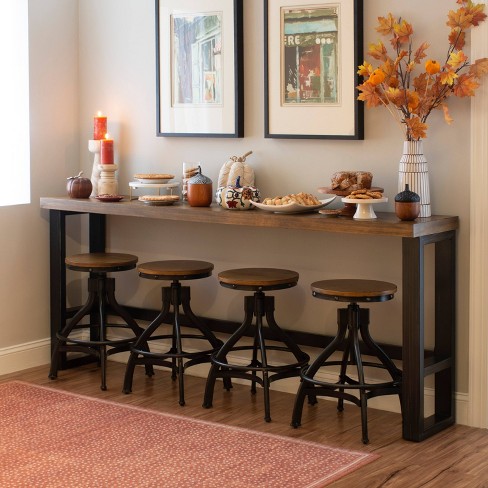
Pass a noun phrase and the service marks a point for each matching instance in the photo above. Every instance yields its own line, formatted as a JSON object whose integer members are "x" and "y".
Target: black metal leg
{"x": 140, "y": 345}
{"x": 60, "y": 338}
{"x": 356, "y": 354}
{"x": 258, "y": 371}
{"x": 349, "y": 322}
{"x": 264, "y": 359}
{"x": 57, "y": 270}
{"x": 389, "y": 365}
{"x": 224, "y": 350}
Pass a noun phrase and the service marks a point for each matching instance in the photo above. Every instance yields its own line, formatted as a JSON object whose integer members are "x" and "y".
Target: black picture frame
{"x": 199, "y": 68}
{"x": 320, "y": 104}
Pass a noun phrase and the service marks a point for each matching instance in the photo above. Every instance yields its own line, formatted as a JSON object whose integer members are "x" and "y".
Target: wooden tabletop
{"x": 386, "y": 224}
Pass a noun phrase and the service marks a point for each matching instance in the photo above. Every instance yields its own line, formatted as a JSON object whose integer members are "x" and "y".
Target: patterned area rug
{"x": 50, "y": 438}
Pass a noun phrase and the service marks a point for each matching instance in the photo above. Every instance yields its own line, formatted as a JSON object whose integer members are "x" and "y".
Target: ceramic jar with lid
{"x": 407, "y": 204}
{"x": 199, "y": 190}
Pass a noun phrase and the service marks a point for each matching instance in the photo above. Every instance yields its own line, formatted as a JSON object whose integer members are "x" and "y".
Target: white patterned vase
{"x": 414, "y": 171}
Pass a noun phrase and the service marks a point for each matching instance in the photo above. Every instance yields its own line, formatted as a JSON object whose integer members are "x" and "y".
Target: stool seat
{"x": 354, "y": 290}
{"x": 258, "y": 278}
{"x": 175, "y": 269}
{"x": 101, "y": 261}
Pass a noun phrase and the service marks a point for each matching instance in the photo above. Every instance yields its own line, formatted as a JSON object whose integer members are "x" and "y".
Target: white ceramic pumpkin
{"x": 236, "y": 167}
{"x": 237, "y": 197}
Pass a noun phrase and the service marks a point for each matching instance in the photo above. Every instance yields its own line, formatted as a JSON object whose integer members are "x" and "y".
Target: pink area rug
{"x": 50, "y": 438}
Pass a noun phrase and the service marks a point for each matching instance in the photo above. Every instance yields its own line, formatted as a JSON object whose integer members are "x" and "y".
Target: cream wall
{"x": 100, "y": 55}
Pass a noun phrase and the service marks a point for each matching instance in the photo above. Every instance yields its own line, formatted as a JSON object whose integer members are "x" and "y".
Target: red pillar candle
{"x": 99, "y": 126}
{"x": 107, "y": 150}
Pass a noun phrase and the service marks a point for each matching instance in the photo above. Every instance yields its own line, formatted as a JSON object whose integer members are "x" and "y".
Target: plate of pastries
{"x": 153, "y": 178}
{"x": 294, "y": 203}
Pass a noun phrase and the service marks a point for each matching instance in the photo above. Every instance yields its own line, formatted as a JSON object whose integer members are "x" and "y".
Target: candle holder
{"x": 108, "y": 184}
{"x": 94, "y": 148}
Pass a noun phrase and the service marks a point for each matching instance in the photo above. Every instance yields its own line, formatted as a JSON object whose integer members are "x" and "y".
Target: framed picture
{"x": 312, "y": 51}
{"x": 199, "y": 68}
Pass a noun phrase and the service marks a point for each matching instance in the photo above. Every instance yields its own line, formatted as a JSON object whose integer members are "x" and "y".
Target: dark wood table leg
{"x": 97, "y": 232}
{"x": 96, "y": 243}
{"x": 57, "y": 239}
{"x": 416, "y": 427}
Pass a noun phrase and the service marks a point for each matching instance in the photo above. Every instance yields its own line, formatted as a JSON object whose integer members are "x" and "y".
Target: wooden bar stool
{"x": 101, "y": 300}
{"x": 258, "y": 305}
{"x": 352, "y": 323}
{"x": 177, "y": 358}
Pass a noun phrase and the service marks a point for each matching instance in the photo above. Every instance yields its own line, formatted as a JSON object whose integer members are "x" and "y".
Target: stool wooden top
{"x": 101, "y": 260}
{"x": 354, "y": 288}
{"x": 174, "y": 269}
{"x": 258, "y": 277}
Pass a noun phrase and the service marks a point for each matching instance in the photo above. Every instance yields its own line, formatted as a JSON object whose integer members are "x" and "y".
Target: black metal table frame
{"x": 416, "y": 367}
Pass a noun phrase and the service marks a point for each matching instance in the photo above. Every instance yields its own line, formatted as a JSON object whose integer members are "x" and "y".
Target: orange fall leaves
{"x": 393, "y": 84}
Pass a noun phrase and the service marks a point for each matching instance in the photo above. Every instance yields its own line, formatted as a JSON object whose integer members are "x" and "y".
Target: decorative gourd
{"x": 407, "y": 204}
{"x": 79, "y": 187}
{"x": 236, "y": 166}
{"x": 237, "y": 197}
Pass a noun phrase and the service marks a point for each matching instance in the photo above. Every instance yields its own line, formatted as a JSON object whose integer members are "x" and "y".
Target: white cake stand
{"x": 364, "y": 210}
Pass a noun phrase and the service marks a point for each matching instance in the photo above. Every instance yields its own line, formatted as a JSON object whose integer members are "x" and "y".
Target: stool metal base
{"x": 101, "y": 295}
{"x": 258, "y": 306}
{"x": 177, "y": 359}
{"x": 352, "y": 323}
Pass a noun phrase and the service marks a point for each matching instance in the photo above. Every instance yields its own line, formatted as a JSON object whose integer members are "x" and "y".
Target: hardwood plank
{"x": 387, "y": 224}
{"x": 455, "y": 457}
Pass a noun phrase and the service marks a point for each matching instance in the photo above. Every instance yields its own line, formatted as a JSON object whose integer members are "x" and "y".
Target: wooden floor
{"x": 456, "y": 457}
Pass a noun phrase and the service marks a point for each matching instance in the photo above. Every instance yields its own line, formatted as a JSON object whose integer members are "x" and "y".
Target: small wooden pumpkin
{"x": 237, "y": 197}
{"x": 236, "y": 166}
{"x": 79, "y": 187}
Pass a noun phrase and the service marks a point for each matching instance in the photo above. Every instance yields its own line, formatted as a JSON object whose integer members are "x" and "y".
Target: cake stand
{"x": 349, "y": 208}
{"x": 364, "y": 210}
{"x": 158, "y": 186}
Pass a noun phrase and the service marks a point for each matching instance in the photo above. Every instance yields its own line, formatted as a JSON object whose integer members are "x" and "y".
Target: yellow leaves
{"x": 457, "y": 59}
{"x": 465, "y": 86}
{"x": 432, "y": 67}
{"x": 378, "y": 51}
{"x": 369, "y": 95}
{"x": 403, "y": 31}
{"x": 416, "y": 128}
{"x": 477, "y": 12}
{"x": 460, "y": 19}
{"x": 395, "y": 96}
{"x": 365, "y": 69}
{"x": 448, "y": 77}
{"x": 386, "y": 24}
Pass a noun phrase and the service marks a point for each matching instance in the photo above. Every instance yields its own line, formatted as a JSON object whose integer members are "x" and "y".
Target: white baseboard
{"x": 24, "y": 356}
{"x": 37, "y": 353}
